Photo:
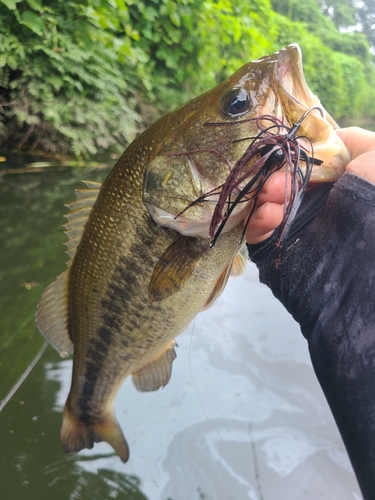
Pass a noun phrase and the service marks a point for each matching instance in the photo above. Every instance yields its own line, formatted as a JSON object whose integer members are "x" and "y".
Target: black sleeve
{"x": 326, "y": 280}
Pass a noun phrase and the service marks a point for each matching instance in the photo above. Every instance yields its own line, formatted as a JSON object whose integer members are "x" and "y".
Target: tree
{"x": 358, "y": 16}
{"x": 342, "y": 12}
{"x": 365, "y": 15}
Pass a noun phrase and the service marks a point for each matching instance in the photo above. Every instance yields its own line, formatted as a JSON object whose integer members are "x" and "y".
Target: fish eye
{"x": 236, "y": 102}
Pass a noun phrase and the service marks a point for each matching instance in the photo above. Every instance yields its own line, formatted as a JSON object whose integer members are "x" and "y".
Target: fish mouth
{"x": 179, "y": 223}
{"x": 317, "y": 130}
{"x": 290, "y": 79}
{"x": 189, "y": 227}
{"x": 278, "y": 89}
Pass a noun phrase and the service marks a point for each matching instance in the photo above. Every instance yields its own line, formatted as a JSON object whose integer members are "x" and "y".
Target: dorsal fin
{"x": 92, "y": 185}
{"x": 79, "y": 212}
{"x": 52, "y": 311}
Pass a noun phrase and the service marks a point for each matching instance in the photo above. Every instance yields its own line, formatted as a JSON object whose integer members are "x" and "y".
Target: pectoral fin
{"x": 175, "y": 267}
{"x": 156, "y": 373}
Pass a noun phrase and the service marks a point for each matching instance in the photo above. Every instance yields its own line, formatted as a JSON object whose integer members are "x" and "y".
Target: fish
{"x": 141, "y": 265}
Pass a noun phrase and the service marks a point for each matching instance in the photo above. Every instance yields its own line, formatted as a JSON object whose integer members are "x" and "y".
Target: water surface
{"x": 242, "y": 417}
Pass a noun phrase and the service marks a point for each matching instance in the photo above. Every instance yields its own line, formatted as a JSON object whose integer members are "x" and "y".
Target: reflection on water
{"x": 242, "y": 417}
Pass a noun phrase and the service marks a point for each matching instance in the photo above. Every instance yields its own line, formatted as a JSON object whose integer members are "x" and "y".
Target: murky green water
{"x": 242, "y": 418}
{"x": 31, "y": 255}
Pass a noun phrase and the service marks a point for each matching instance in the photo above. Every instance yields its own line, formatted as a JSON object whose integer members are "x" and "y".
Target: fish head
{"x": 203, "y": 140}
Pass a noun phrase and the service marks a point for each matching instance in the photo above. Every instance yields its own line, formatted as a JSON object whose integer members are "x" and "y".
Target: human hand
{"x": 361, "y": 146}
{"x": 269, "y": 213}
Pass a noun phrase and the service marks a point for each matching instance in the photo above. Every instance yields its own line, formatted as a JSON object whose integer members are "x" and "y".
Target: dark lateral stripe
{"x": 96, "y": 354}
{"x": 115, "y": 306}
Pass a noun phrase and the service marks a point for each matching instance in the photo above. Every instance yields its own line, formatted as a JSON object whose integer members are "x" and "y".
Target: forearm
{"x": 326, "y": 280}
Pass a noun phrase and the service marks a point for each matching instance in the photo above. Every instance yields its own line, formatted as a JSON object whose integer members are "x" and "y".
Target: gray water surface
{"x": 243, "y": 416}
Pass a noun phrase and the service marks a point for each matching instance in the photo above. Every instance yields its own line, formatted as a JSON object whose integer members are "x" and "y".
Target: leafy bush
{"x": 87, "y": 75}
{"x": 63, "y": 87}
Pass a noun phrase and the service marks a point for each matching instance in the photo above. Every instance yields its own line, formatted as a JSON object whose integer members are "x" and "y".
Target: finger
{"x": 274, "y": 189}
{"x": 357, "y": 140}
{"x": 264, "y": 220}
{"x": 361, "y": 145}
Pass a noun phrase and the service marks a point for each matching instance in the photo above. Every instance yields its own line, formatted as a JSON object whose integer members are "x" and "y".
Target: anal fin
{"x": 156, "y": 373}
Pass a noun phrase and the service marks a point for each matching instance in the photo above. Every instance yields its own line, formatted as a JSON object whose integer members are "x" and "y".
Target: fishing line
{"x": 20, "y": 328}
{"x": 23, "y": 377}
{"x": 256, "y": 463}
{"x": 196, "y": 151}
{"x": 199, "y": 398}
{"x": 191, "y": 371}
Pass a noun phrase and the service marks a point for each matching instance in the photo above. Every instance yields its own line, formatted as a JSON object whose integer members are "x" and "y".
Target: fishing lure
{"x": 275, "y": 147}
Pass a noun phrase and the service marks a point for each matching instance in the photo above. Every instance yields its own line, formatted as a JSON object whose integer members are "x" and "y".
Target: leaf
{"x": 36, "y": 5}
{"x": 175, "y": 18}
{"x": 12, "y": 63}
{"x": 33, "y": 22}
{"x": 11, "y": 4}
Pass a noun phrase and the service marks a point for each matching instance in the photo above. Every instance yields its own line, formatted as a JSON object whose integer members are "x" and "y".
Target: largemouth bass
{"x": 139, "y": 271}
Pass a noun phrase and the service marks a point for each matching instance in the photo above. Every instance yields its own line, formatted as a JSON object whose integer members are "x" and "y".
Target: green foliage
{"x": 196, "y": 44}
{"x": 87, "y": 75}
{"x": 77, "y": 75}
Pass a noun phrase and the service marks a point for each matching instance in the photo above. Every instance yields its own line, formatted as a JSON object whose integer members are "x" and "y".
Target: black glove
{"x": 326, "y": 280}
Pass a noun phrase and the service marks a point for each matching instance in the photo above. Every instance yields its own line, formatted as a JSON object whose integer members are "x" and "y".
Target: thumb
{"x": 361, "y": 146}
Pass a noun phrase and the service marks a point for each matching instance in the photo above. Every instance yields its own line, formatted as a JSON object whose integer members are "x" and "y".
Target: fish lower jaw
{"x": 192, "y": 227}
{"x": 181, "y": 224}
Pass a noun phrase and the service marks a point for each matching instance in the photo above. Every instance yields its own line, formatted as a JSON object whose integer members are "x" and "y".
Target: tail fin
{"x": 76, "y": 434}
